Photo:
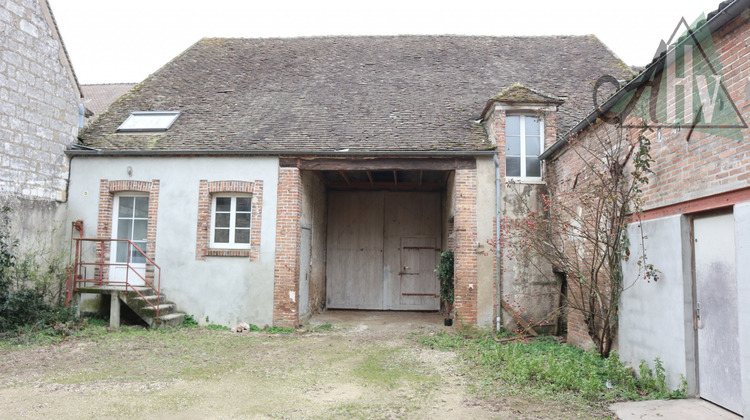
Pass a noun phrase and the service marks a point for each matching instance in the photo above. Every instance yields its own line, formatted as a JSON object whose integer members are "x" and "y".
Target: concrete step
{"x": 171, "y": 320}
{"x": 164, "y": 309}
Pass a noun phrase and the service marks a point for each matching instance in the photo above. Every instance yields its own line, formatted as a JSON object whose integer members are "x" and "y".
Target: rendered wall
{"x": 219, "y": 290}
{"x": 742, "y": 249}
{"x": 655, "y": 317}
{"x": 536, "y": 290}
{"x": 486, "y": 261}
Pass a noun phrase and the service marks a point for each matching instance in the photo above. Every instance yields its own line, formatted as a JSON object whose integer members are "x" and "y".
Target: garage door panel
{"x": 355, "y": 250}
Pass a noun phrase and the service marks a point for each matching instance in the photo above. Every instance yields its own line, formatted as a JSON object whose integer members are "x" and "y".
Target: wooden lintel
{"x": 346, "y": 178}
{"x": 427, "y": 186}
{"x": 380, "y": 164}
{"x": 395, "y": 177}
{"x": 369, "y": 175}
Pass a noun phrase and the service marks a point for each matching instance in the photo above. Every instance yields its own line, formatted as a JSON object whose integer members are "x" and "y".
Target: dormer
{"x": 521, "y": 124}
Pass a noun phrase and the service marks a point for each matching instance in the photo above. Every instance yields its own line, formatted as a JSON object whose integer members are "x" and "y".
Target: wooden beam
{"x": 369, "y": 175}
{"x": 395, "y": 177}
{"x": 427, "y": 186}
{"x": 346, "y": 178}
{"x": 379, "y": 164}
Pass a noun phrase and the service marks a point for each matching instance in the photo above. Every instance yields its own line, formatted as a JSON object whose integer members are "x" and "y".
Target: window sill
{"x": 524, "y": 181}
{"x": 227, "y": 253}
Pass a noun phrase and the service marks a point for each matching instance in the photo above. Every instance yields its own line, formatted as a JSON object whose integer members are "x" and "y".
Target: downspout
{"x": 498, "y": 251}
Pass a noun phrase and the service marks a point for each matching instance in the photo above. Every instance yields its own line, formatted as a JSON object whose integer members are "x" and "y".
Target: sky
{"x": 117, "y": 41}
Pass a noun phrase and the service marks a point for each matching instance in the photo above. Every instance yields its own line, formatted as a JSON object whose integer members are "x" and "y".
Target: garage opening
{"x": 384, "y": 239}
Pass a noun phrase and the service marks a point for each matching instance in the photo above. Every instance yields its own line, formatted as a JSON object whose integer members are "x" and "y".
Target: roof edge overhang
{"x": 722, "y": 16}
{"x": 279, "y": 153}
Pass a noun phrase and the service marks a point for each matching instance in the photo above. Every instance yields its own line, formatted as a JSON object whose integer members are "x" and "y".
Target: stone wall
{"x": 39, "y": 101}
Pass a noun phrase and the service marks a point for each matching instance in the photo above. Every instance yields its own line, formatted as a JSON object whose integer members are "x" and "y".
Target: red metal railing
{"x": 151, "y": 277}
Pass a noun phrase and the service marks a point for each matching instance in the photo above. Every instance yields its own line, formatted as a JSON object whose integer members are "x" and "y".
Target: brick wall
{"x": 203, "y": 238}
{"x": 465, "y": 257}
{"x": 685, "y": 168}
{"x": 38, "y": 104}
{"x": 288, "y": 236}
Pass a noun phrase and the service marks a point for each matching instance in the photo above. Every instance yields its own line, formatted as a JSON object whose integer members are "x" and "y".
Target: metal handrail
{"x": 79, "y": 268}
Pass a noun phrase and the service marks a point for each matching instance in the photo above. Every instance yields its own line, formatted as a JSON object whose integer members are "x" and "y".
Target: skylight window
{"x": 149, "y": 121}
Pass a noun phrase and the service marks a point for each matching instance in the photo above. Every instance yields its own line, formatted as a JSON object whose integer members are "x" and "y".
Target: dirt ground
{"x": 368, "y": 365}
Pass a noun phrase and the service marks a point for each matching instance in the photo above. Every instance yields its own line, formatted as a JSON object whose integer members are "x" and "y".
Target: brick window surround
{"x": 205, "y": 191}
{"x": 107, "y": 191}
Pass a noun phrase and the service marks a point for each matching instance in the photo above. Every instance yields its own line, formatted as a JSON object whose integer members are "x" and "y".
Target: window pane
{"x": 242, "y": 236}
{"x": 512, "y": 145}
{"x": 141, "y": 207}
{"x": 122, "y": 252}
{"x": 125, "y": 208}
{"x": 124, "y": 227}
{"x": 223, "y": 203}
{"x": 533, "y": 167}
{"x": 513, "y": 125}
{"x": 243, "y": 203}
{"x": 222, "y": 220}
{"x": 140, "y": 227}
{"x": 221, "y": 235}
{"x": 512, "y": 166}
{"x": 135, "y": 255}
{"x": 532, "y": 146}
{"x": 532, "y": 126}
{"x": 242, "y": 220}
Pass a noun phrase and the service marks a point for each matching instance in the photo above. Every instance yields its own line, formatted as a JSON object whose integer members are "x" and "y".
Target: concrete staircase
{"x": 144, "y": 305}
{"x": 142, "y": 302}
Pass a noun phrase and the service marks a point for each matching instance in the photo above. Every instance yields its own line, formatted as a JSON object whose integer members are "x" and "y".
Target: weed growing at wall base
{"x": 551, "y": 370}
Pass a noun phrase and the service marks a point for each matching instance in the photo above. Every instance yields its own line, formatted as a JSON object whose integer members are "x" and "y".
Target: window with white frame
{"x": 231, "y": 216}
{"x": 524, "y": 142}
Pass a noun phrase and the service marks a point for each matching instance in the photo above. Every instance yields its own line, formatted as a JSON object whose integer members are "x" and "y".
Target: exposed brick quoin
{"x": 203, "y": 235}
{"x": 685, "y": 169}
{"x": 465, "y": 264}
{"x": 287, "y": 255}
{"x": 107, "y": 191}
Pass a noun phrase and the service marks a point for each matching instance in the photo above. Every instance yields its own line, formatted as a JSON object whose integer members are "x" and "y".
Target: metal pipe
{"x": 498, "y": 251}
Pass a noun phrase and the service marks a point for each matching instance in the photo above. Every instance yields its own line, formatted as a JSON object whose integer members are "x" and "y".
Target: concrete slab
{"x": 689, "y": 409}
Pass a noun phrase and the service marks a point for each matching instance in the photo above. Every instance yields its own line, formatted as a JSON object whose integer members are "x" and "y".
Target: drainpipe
{"x": 498, "y": 251}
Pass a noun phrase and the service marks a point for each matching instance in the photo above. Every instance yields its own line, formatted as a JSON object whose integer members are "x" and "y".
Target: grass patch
{"x": 546, "y": 368}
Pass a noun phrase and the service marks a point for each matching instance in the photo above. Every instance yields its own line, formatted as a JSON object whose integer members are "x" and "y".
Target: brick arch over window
{"x": 107, "y": 191}
{"x": 206, "y": 189}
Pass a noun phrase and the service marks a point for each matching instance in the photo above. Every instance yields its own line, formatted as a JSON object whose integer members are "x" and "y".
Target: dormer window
{"x": 523, "y": 144}
{"x": 149, "y": 121}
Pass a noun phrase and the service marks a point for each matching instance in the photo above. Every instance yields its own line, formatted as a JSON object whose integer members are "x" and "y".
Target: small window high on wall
{"x": 523, "y": 144}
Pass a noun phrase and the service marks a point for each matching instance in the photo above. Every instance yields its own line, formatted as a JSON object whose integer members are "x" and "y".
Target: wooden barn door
{"x": 383, "y": 250}
{"x": 716, "y": 311}
{"x": 354, "y": 267}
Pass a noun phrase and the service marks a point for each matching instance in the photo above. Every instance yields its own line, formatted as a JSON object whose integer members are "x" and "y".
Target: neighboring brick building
{"x": 370, "y": 155}
{"x": 40, "y": 98}
{"x": 696, "y": 210}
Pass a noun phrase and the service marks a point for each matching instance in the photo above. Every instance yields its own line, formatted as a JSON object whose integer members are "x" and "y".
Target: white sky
{"x": 124, "y": 41}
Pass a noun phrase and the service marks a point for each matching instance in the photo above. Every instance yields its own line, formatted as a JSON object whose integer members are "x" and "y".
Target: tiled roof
{"x": 97, "y": 98}
{"x": 376, "y": 94}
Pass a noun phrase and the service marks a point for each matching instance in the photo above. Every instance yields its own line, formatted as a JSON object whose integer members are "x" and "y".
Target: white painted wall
{"x": 486, "y": 212}
{"x": 656, "y": 317}
{"x": 227, "y": 290}
{"x": 742, "y": 244}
